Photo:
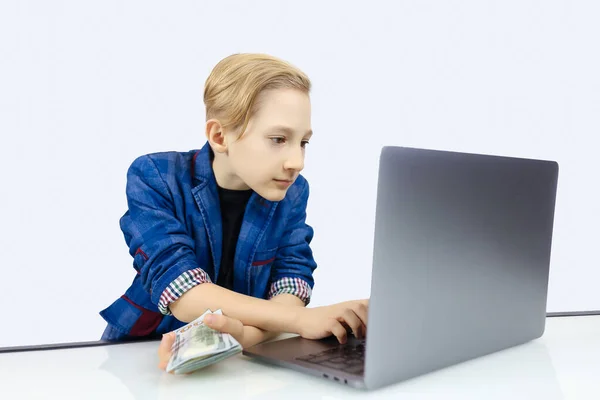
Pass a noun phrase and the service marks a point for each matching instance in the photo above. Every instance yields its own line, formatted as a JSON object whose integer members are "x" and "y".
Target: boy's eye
{"x": 278, "y": 140}
{"x": 304, "y": 143}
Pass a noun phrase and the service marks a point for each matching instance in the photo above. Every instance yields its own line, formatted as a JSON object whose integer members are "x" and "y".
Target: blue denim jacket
{"x": 173, "y": 224}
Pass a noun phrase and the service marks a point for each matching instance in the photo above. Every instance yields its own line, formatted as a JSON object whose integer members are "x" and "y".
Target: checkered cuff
{"x": 296, "y": 286}
{"x": 179, "y": 286}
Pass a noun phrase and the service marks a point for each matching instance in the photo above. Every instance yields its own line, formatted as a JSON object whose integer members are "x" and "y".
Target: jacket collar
{"x": 202, "y": 166}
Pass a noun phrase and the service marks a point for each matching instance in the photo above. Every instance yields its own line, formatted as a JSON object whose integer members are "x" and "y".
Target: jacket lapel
{"x": 207, "y": 198}
{"x": 257, "y": 217}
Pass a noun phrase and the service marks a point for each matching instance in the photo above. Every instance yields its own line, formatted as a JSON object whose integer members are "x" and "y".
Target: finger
{"x": 338, "y": 331}
{"x": 358, "y": 333}
{"x": 362, "y": 310}
{"x": 225, "y": 324}
{"x": 164, "y": 349}
{"x": 353, "y": 321}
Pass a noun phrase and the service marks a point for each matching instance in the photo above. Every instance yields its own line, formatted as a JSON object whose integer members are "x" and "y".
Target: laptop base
{"x": 286, "y": 353}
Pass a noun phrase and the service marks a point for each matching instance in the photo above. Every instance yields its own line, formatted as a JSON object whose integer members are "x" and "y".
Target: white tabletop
{"x": 563, "y": 364}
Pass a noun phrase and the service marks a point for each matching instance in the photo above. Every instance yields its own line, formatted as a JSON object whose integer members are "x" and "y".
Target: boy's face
{"x": 270, "y": 155}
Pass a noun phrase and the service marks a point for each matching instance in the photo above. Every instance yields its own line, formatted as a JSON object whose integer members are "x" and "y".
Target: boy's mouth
{"x": 283, "y": 182}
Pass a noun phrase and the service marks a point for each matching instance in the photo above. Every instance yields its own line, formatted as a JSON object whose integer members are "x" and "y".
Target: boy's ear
{"x": 216, "y": 136}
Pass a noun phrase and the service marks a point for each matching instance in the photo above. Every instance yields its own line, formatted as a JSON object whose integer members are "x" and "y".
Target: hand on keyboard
{"x": 336, "y": 319}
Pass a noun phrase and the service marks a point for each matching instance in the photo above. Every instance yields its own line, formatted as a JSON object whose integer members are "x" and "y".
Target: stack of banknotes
{"x": 196, "y": 346}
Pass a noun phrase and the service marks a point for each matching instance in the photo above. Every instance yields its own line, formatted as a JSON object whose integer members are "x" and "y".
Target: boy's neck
{"x": 224, "y": 175}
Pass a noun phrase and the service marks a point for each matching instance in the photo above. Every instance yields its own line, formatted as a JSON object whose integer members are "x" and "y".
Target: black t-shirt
{"x": 233, "y": 205}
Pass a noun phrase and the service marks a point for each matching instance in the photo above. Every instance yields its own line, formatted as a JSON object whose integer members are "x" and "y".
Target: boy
{"x": 224, "y": 227}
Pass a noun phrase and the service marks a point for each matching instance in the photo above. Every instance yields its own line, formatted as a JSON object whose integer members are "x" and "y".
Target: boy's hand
{"x": 164, "y": 349}
{"x": 337, "y": 319}
{"x": 217, "y": 322}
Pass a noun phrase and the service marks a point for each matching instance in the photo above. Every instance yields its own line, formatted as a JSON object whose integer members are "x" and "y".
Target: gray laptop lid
{"x": 461, "y": 259}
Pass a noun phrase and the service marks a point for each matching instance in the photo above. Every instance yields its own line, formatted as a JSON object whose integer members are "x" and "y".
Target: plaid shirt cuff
{"x": 179, "y": 286}
{"x": 296, "y": 286}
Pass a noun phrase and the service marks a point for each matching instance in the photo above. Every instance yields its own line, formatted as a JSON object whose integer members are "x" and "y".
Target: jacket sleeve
{"x": 162, "y": 250}
{"x": 294, "y": 263}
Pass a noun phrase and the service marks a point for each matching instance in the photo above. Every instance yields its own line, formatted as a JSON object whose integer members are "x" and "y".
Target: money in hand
{"x": 197, "y": 346}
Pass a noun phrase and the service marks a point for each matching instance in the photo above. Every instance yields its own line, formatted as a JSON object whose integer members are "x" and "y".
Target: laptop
{"x": 460, "y": 268}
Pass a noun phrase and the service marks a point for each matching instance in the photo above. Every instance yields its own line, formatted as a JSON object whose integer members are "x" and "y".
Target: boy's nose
{"x": 295, "y": 161}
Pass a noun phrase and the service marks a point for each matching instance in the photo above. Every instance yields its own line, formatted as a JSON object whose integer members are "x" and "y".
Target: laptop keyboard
{"x": 346, "y": 357}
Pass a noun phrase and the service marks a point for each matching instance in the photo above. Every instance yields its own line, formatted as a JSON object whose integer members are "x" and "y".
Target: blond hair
{"x": 231, "y": 89}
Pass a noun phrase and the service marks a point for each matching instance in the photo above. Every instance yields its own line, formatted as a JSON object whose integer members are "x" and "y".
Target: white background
{"x": 85, "y": 87}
